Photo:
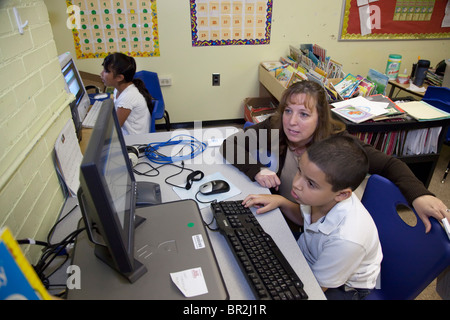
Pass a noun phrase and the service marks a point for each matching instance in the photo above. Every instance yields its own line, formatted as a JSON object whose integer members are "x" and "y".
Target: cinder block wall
{"x": 34, "y": 107}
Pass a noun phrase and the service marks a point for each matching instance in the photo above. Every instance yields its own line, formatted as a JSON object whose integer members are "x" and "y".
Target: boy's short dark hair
{"x": 342, "y": 159}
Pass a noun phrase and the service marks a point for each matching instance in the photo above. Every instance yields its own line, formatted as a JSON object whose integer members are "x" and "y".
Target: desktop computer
{"x": 73, "y": 84}
{"x": 130, "y": 252}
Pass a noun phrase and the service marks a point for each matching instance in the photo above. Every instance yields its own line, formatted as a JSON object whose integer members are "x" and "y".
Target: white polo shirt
{"x": 138, "y": 120}
{"x": 342, "y": 247}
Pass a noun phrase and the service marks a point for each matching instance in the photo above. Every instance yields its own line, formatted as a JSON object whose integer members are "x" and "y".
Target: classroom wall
{"x": 33, "y": 110}
{"x": 192, "y": 97}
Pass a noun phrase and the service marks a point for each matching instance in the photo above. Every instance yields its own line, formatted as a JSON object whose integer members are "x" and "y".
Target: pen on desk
{"x": 446, "y": 226}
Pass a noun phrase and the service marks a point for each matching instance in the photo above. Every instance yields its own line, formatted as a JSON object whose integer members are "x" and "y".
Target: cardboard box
{"x": 257, "y": 109}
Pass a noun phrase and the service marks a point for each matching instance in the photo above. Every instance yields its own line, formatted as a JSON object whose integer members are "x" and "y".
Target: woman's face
{"x": 299, "y": 122}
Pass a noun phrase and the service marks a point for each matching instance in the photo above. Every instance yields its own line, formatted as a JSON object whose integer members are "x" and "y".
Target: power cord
{"x": 51, "y": 251}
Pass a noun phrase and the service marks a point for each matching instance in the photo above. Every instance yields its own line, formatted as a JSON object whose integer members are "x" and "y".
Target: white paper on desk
{"x": 421, "y": 110}
{"x": 190, "y": 194}
{"x": 68, "y": 156}
{"x": 374, "y": 107}
{"x": 191, "y": 282}
{"x": 415, "y": 88}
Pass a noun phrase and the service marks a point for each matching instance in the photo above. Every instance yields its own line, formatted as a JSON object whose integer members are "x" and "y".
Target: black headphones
{"x": 135, "y": 151}
{"x": 193, "y": 177}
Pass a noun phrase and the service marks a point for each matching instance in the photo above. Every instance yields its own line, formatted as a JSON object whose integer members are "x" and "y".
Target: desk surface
{"x": 210, "y": 162}
{"x": 405, "y": 87}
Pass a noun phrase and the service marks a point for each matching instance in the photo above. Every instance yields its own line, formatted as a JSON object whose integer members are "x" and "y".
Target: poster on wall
{"x": 226, "y": 22}
{"x": 395, "y": 19}
{"x": 101, "y": 27}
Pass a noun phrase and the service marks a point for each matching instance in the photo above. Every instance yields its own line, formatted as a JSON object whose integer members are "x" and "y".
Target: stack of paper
{"x": 422, "y": 111}
{"x": 359, "y": 109}
{"x": 68, "y": 157}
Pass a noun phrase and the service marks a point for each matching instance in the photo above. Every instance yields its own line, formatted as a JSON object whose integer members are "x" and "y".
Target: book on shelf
{"x": 289, "y": 61}
{"x": 347, "y": 85}
{"x": 366, "y": 87}
{"x": 423, "y": 111}
{"x": 273, "y": 65}
{"x": 313, "y": 58}
{"x": 359, "y": 109}
{"x": 285, "y": 75}
{"x": 404, "y": 142}
{"x": 379, "y": 79}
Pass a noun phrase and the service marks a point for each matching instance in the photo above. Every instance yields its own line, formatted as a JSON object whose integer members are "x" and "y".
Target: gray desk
{"x": 210, "y": 161}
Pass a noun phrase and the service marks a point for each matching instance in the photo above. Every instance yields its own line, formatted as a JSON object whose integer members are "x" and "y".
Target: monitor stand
{"x": 138, "y": 268}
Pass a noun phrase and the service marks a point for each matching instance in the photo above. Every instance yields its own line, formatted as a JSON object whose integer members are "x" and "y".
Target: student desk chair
{"x": 412, "y": 259}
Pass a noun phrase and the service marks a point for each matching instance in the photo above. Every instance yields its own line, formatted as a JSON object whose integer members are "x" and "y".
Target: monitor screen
{"x": 71, "y": 78}
{"x": 74, "y": 84}
{"x": 107, "y": 195}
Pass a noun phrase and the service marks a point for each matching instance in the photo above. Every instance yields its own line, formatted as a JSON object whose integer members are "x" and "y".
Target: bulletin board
{"x": 106, "y": 26}
{"x": 396, "y": 19}
{"x": 226, "y": 22}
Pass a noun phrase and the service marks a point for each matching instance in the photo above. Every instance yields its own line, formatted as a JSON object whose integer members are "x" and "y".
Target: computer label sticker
{"x": 198, "y": 241}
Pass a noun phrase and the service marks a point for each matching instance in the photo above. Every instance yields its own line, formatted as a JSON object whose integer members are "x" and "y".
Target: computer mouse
{"x": 213, "y": 187}
{"x": 101, "y": 96}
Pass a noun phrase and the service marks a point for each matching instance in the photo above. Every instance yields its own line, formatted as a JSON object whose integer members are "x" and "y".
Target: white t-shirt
{"x": 342, "y": 247}
{"x": 138, "y": 121}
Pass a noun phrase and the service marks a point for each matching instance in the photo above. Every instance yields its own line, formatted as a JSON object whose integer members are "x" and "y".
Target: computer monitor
{"x": 74, "y": 84}
{"x": 107, "y": 195}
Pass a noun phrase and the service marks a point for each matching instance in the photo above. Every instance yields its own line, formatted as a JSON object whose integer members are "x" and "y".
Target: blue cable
{"x": 196, "y": 146}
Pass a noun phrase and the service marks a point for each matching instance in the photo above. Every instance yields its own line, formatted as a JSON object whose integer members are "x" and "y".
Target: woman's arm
{"x": 239, "y": 149}
{"x": 424, "y": 202}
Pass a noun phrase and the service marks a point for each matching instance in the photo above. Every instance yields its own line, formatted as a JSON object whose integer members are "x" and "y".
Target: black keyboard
{"x": 267, "y": 271}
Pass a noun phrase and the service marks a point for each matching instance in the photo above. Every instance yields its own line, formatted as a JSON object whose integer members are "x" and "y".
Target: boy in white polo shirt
{"x": 340, "y": 240}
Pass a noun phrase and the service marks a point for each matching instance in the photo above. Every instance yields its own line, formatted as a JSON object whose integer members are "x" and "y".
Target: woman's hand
{"x": 268, "y": 179}
{"x": 429, "y": 206}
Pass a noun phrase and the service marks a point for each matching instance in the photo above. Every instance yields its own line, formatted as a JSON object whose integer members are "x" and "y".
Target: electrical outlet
{"x": 216, "y": 79}
{"x": 165, "y": 81}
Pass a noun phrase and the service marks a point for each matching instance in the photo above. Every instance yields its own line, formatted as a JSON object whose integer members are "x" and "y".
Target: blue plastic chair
{"x": 412, "y": 259}
{"x": 248, "y": 124}
{"x": 151, "y": 82}
{"x": 439, "y": 97}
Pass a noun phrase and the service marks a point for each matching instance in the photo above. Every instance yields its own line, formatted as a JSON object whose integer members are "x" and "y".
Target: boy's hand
{"x": 264, "y": 202}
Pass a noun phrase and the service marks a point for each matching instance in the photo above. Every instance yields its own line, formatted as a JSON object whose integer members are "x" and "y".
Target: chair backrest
{"x": 412, "y": 259}
{"x": 439, "y": 97}
{"x": 151, "y": 82}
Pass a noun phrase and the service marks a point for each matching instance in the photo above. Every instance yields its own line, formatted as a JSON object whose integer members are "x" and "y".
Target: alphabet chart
{"x": 105, "y": 26}
{"x": 230, "y": 22}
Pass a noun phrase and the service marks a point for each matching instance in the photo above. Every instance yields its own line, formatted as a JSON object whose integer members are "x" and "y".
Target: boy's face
{"x": 310, "y": 186}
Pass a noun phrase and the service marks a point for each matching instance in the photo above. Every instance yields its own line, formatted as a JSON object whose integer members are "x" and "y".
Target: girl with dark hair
{"x": 132, "y": 100}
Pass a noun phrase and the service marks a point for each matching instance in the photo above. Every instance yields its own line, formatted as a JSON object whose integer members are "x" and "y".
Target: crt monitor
{"x": 107, "y": 195}
{"x": 74, "y": 84}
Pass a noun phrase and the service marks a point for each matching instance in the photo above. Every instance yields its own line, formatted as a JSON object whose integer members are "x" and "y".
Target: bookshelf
{"x": 422, "y": 165}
